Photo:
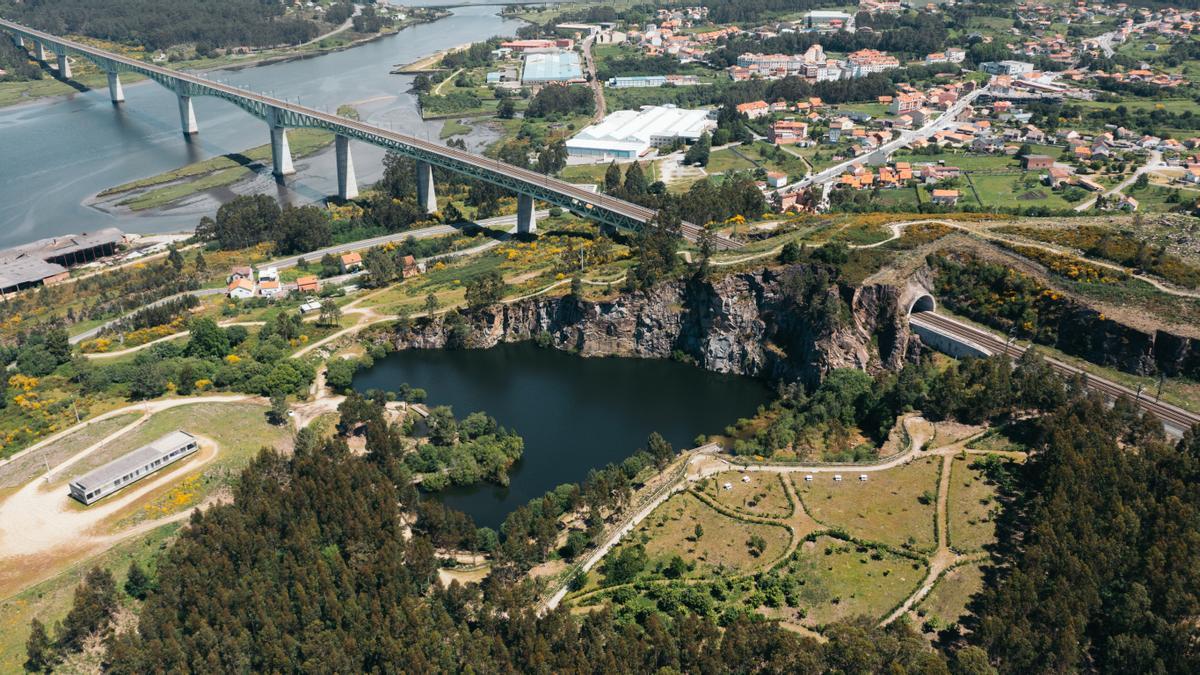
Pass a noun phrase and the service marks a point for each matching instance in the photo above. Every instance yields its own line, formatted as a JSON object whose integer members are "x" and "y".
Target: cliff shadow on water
{"x": 738, "y": 333}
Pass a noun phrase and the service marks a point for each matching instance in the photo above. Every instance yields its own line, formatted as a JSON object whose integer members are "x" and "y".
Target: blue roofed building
{"x": 544, "y": 67}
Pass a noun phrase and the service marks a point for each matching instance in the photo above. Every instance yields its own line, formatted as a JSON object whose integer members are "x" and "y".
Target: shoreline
{"x": 238, "y": 66}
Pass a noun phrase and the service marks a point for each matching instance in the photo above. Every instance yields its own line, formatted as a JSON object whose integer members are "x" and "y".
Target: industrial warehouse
{"x": 628, "y": 134}
{"x": 46, "y": 261}
{"x": 133, "y": 466}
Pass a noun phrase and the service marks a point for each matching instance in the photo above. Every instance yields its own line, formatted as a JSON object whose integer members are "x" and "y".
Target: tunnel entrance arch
{"x": 923, "y": 303}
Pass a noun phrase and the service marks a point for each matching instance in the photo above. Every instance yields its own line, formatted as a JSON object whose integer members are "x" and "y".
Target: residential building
{"x": 904, "y": 103}
{"x": 788, "y": 132}
{"x": 944, "y": 197}
{"x": 866, "y": 61}
{"x": 1037, "y": 162}
{"x": 350, "y": 262}
{"x": 240, "y": 289}
{"x": 409, "y": 267}
{"x": 307, "y": 284}
{"x": 754, "y": 109}
{"x": 270, "y": 289}
{"x": 776, "y": 179}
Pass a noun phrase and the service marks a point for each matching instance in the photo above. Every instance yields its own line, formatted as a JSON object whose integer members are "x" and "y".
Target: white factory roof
{"x": 634, "y": 130}
{"x": 134, "y": 460}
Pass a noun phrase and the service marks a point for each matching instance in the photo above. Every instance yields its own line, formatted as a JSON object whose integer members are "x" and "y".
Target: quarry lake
{"x": 574, "y": 413}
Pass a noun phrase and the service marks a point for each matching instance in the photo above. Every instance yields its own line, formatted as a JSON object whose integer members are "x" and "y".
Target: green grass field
{"x": 670, "y": 530}
{"x": 971, "y": 507}
{"x": 887, "y": 508}
{"x": 947, "y": 602}
{"x": 762, "y": 495}
{"x": 842, "y": 579}
{"x": 19, "y": 472}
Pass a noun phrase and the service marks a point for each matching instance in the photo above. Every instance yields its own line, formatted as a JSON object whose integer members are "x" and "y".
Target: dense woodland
{"x": 15, "y": 62}
{"x": 159, "y": 24}
{"x": 308, "y": 568}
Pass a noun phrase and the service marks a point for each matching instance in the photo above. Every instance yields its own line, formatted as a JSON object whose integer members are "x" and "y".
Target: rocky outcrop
{"x": 1085, "y": 332}
{"x": 791, "y": 324}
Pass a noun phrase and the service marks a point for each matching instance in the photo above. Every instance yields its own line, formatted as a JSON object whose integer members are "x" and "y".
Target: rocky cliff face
{"x": 792, "y": 324}
{"x": 1086, "y": 333}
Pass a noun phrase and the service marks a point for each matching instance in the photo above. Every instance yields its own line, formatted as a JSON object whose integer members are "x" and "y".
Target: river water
{"x": 56, "y": 155}
{"x": 574, "y": 413}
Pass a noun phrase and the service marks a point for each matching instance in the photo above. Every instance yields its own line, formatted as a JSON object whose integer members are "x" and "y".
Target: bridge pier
{"x": 64, "y": 67}
{"x": 187, "y": 116}
{"x": 526, "y": 216}
{"x": 281, "y": 152}
{"x": 426, "y": 197}
{"x": 115, "y": 91}
{"x": 20, "y": 41}
{"x": 40, "y": 52}
{"x": 347, "y": 182}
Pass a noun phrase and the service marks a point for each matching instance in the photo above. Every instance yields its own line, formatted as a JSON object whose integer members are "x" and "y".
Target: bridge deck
{"x": 603, "y": 208}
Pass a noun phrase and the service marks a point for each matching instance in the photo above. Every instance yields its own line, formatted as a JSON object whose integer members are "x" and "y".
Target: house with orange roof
{"x": 350, "y": 262}
{"x": 944, "y": 197}
{"x": 307, "y": 284}
{"x": 240, "y": 289}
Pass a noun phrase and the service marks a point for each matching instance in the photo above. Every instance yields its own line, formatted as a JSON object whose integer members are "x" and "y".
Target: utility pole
{"x": 1158, "y": 395}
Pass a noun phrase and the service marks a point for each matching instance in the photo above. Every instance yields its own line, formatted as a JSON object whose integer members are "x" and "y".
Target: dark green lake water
{"x": 574, "y": 413}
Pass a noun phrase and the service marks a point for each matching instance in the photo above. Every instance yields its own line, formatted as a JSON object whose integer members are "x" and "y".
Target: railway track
{"x": 1174, "y": 417}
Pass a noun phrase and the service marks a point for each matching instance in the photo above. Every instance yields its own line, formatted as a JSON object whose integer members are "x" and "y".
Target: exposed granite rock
{"x": 792, "y": 324}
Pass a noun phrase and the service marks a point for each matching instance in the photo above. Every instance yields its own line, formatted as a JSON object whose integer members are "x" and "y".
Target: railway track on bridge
{"x": 1173, "y": 416}
{"x": 282, "y": 114}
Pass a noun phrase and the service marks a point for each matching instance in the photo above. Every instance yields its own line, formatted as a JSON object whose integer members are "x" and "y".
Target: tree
{"x": 612, "y": 178}
{"x": 635, "y": 180}
{"x": 175, "y": 259}
{"x": 278, "y": 414}
{"x": 331, "y": 314}
{"x": 137, "y": 582}
{"x": 698, "y": 153}
{"x": 207, "y": 340}
{"x": 656, "y": 244}
{"x": 507, "y": 109}
{"x": 431, "y": 304}
{"x": 485, "y": 289}
{"x": 39, "y": 652}
{"x": 200, "y": 263}
{"x": 302, "y": 229}
{"x": 698, "y": 532}
{"x": 95, "y": 602}
{"x": 576, "y": 287}
{"x": 790, "y": 253}
{"x": 659, "y": 449}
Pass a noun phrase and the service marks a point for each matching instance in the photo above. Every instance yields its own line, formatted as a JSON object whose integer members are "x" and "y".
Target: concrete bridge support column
{"x": 347, "y": 183}
{"x": 426, "y": 197}
{"x": 40, "y": 52}
{"x": 187, "y": 116}
{"x": 281, "y": 152}
{"x": 64, "y": 67}
{"x": 526, "y": 216}
{"x": 115, "y": 92}
{"x": 20, "y": 41}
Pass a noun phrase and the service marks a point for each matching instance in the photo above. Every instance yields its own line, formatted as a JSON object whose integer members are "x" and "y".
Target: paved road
{"x": 1176, "y": 419}
{"x": 940, "y": 123}
{"x": 597, "y": 86}
{"x": 1153, "y": 164}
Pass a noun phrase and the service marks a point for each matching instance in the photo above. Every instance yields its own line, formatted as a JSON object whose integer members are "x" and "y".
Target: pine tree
{"x": 202, "y": 264}
{"x": 635, "y": 180}
{"x": 612, "y": 178}
{"x": 39, "y": 652}
{"x": 176, "y": 259}
{"x": 137, "y": 583}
